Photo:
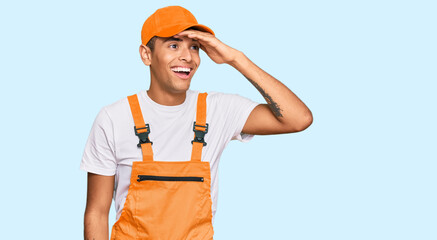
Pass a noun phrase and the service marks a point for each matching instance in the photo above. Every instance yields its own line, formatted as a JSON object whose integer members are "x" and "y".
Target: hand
{"x": 214, "y": 48}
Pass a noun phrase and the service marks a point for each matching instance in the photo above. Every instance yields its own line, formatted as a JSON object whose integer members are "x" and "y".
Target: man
{"x": 159, "y": 192}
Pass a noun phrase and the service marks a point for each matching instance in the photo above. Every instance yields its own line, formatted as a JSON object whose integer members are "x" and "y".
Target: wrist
{"x": 237, "y": 59}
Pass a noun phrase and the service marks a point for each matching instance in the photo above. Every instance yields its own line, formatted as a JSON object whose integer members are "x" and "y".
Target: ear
{"x": 146, "y": 54}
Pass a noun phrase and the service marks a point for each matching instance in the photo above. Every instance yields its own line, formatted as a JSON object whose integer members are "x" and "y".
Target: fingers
{"x": 192, "y": 31}
{"x": 205, "y": 39}
{"x": 195, "y": 34}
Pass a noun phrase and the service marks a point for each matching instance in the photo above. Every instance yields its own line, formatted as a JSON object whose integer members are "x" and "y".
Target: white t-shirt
{"x": 112, "y": 144}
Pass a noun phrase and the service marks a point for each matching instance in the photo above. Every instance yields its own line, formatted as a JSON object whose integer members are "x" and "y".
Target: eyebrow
{"x": 176, "y": 39}
{"x": 173, "y": 39}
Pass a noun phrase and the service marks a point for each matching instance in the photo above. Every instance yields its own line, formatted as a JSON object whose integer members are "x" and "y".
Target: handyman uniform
{"x": 112, "y": 145}
{"x": 167, "y": 200}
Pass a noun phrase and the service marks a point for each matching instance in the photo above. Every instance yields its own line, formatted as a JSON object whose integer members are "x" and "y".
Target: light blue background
{"x": 365, "y": 169}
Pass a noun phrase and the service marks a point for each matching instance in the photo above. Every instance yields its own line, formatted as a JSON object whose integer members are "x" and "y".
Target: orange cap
{"x": 169, "y": 21}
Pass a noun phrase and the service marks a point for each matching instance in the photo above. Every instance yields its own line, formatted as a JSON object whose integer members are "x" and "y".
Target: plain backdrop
{"x": 365, "y": 169}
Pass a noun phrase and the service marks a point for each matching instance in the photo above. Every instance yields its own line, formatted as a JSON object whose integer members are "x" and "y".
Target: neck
{"x": 167, "y": 99}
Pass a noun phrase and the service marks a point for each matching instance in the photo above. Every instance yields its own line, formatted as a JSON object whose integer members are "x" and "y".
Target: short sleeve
{"x": 244, "y": 108}
{"x": 99, "y": 154}
{"x": 234, "y": 111}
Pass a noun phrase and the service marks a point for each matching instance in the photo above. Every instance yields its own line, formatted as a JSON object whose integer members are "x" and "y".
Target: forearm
{"x": 285, "y": 105}
{"x": 287, "y": 112}
{"x": 95, "y": 226}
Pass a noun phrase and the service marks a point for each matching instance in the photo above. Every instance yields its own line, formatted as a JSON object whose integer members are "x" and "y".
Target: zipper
{"x": 166, "y": 178}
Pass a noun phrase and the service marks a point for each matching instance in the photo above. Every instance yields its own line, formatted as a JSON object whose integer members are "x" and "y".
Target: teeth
{"x": 180, "y": 69}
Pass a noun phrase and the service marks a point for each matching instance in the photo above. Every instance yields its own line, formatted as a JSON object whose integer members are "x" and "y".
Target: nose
{"x": 185, "y": 54}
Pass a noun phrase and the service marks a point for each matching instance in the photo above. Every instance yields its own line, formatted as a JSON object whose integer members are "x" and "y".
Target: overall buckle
{"x": 143, "y": 136}
{"x": 199, "y": 134}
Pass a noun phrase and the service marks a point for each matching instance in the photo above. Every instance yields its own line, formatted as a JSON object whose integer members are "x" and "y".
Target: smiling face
{"x": 173, "y": 62}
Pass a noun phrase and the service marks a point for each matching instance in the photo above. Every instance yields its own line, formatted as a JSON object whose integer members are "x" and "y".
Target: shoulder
{"x": 118, "y": 108}
{"x": 229, "y": 104}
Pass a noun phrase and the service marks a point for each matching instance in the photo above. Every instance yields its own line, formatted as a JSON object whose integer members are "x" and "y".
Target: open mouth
{"x": 182, "y": 72}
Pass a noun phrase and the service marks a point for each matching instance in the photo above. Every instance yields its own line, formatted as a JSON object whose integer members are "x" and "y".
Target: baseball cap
{"x": 169, "y": 21}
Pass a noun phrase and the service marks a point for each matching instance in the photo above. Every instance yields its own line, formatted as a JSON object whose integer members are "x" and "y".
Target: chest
{"x": 171, "y": 134}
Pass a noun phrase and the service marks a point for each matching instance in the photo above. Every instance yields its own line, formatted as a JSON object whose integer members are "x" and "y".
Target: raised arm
{"x": 99, "y": 198}
{"x": 284, "y": 111}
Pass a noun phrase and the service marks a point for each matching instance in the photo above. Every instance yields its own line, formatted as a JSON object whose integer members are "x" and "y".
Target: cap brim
{"x": 175, "y": 29}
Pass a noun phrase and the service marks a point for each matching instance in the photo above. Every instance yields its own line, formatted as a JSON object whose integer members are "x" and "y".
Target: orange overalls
{"x": 167, "y": 200}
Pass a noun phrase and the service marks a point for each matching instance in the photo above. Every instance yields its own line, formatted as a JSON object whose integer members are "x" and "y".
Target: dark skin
{"x": 99, "y": 198}
{"x": 283, "y": 111}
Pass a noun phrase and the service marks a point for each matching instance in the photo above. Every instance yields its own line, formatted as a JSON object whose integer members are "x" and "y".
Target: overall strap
{"x": 200, "y": 128}
{"x": 142, "y": 130}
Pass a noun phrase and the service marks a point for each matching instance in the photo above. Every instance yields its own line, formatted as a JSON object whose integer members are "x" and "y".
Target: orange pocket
{"x": 167, "y": 200}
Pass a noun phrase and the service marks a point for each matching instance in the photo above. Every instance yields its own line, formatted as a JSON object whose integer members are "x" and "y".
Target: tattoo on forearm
{"x": 272, "y": 104}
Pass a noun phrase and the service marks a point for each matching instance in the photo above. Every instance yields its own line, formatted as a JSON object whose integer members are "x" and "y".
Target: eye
{"x": 195, "y": 47}
{"x": 173, "y": 45}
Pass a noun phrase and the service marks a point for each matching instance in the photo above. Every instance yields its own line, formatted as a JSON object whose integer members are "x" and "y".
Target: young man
{"x": 168, "y": 190}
